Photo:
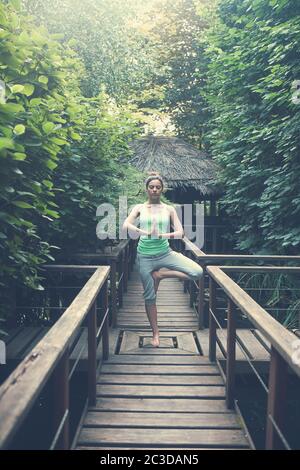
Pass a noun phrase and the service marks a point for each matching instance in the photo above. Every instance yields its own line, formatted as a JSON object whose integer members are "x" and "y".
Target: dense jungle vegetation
{"x": 80, "y": 80}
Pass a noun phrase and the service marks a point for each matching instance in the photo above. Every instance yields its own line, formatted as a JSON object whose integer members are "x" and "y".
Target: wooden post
{"x": 133, "y": 255}
{"x": 92, "y": 353}
{"x": 121, "y": 279}
{"x": 185, "y": 283}
{"x": 113, "y": 292}
{"x": 192, "y": 292}
{"x": 276, "y": 400}
{"x": 212, "y": 323}
{"x": 201, "y": 300}
{"x": 214, "y": 240}
{"x": 105, "y": 335}
{"x": 190, "y": 283}
{"x": 230, "y": 362}
{"x": 126, "y": 269}
{"x": 61, "y": 401}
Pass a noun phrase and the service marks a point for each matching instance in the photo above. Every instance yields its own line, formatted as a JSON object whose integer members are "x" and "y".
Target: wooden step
{"x": 155, "y": 369}
{"x": 152, "y": 391}
{"x": 160, "y": 420}
{"x": 168, "y": 360}
{"x": 160, "y": 379}
{"x": 160, "y": 405}
{"x": 163, "y": 437}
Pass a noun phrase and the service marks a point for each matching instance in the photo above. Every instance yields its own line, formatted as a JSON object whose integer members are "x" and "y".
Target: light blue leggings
{"x": 170, "y": 260}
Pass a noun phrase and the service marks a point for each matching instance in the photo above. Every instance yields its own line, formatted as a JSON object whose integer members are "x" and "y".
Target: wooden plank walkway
{"x": 160, "y": 401}
{"x": 169, "y": 397}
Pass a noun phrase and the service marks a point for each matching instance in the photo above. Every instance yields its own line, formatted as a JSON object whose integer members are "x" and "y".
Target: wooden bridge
{"x": 178, "y": 396}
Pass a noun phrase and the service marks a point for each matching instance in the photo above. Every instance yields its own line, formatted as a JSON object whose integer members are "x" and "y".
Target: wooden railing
{"x": 196, "y": 289}
{"x": 49, "y": 359}
{"x": 121, "y": 260}
{"x": 284, "y": 345}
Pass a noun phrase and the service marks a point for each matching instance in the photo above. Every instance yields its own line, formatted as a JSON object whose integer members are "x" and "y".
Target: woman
{"x": 154, "y": 251}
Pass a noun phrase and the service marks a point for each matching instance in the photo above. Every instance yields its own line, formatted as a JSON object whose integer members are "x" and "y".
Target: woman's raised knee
{"x": 197, "y": 273}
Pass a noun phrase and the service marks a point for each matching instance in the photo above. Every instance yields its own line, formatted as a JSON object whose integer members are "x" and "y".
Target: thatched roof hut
{"x": 190, "y": 174}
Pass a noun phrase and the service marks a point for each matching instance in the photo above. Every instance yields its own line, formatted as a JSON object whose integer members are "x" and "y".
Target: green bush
{"x": 59, "y": 152}
{"x": 254, "y": 130}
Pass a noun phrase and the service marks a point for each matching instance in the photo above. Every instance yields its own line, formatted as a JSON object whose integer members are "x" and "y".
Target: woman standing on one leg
{"x": 154, "y": 251}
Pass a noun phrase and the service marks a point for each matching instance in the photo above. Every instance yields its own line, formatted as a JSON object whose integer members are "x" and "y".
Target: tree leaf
{"x": 19, "y": 129}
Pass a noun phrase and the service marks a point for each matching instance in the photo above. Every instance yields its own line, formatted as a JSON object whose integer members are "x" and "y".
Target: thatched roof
{"x": 182, "y": 165}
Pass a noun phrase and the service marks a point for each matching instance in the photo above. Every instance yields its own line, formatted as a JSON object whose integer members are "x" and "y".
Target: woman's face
{"x": 154, "y": 190}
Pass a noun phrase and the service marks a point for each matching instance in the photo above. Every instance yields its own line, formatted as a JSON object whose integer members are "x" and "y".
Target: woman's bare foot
{"x": 155, "y": 340}
{"x": 157, "y": 278}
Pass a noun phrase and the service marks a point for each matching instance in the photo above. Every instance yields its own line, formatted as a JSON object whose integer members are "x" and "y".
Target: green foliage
{"x": 277, "y": 293}
{"x": 33, "y": 72}
{"x": 115, "y": 53}
{"x": 58, "y": 152}
{"x": 183, "y": 68}
{"x": 254, "y": 129}
{"x": 90, "y": 173}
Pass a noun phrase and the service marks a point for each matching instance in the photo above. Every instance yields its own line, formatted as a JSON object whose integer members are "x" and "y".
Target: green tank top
{"x": 152, "y": 245}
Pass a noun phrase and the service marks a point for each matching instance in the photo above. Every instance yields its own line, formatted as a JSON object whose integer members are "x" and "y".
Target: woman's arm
{"x": 129, "y": 222}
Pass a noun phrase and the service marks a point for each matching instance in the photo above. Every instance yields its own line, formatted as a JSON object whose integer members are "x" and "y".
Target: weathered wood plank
{"x": 153, "y": 351}
{"x": 133, "y": 379}
{"x": 264, "y": 342}
{"x": 163, "y": 329}
{"x": 257, "y": 351}
{"x": 155, "y": 420}
{"x": 160, "y": 405}
{"x": 169, "y": 360}
{"x": 152, "y": 391}
{"x": 222, "y": 335}
{"x": 158, "y": 369}
{"x": 187, "y": 343}
{"x": 169, "y": 315}
{"x": 165, "y": 309}
{"x": 169, "y": 334}
{"x": 163, "y": 437}
{"x": 156, "y": 448}
{"x": 162, "y": 321}
{"x": 248, "y": 340}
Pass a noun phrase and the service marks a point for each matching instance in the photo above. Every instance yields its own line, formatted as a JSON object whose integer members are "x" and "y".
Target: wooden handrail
{"x": 282, "y": 341}
{"x": 117, "y": 268}
{"x": 279, "y": 337}
{"x": 19, "y": 392}
{"x": 209, "y": 259}
{"x": 193, "y": 248}
{"x": 282, "y": 350}
{"x": 115, "y": 253}
{"x": 70, "y": 267}
{"x": 263, "y": 269}
{"x": 218, "y": 258}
